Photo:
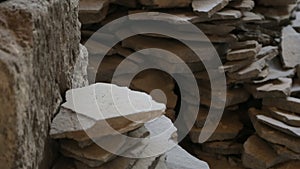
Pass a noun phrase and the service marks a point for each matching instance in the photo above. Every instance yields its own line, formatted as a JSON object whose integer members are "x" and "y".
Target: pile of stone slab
{"x": 103, "y": 126}
{"x": 256, "y": 47}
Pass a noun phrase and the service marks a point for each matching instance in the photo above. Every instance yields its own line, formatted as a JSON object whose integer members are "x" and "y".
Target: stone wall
{"x": 39, "y": 43}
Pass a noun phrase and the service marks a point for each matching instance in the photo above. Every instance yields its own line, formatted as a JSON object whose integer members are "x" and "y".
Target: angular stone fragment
{"x": 243, "y": 54}
{"x": 285, "y": 116}
{"x": 228, "y": 128}
{"x": 223, "y": 147}
{"x": 280, "y": 14}
{"x": 177, "y": 157}
{"x": 295, "y": 131}
{"x": 244, "y": 5}
{"x": 208, "y": 7}
{"x": 233, "y": 66}
{"x": 245, "y": 45}
{"x": 289, "y": 104}
{"x": 272, "y": 135}
{"x": 98, "y": 105}
{"x": 227, "y": 14}
{"x": 92, "y": 11}
{"x": 251, "y": 17}
{"x": 258, "y": 154}
{"x": 290, "y": 48}
{"x": 93, "y": 155}
{"x": 165, "y": 3}
{"x": 296, "y": 22}
{"x": 276, "y": 71}
{"x": 162, "y": 138}
{"x": 276, "y": 88}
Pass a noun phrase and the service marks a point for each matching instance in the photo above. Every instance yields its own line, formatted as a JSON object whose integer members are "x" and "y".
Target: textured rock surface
{"x": 104, "y": 107}
{"x": 38, "y": 39}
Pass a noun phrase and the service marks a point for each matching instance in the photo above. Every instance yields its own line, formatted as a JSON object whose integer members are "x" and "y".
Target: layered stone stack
{"x": 276, "y": 142}
{"x": 258, "y": 63}
{"x": 93, "y": 124}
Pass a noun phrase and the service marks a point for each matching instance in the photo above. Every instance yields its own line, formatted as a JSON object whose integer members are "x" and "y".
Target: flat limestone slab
{"x": 93, "y": 107}
{"x": 228, "y": 128}
{"x": 92, "y": 11}
{"x": 208, "y": 7}
{"x": 178, "y": 158}
{"x": 243, "y": 5}
{"x": 276, "y": 88}
{"x": 272, "y": 135}
{"x": 285, "y": 116}
{"x": 295, "y": 131}
{"x": 276, "y": 71}
{"x": 258, "y": 154}
{"x": 290, "y": 48}
{"x": 290, "y": 104}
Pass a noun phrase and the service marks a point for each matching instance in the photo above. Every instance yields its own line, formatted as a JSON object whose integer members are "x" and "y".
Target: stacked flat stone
{"x": 89, "y": 124}
{"x": 259, "y": 63}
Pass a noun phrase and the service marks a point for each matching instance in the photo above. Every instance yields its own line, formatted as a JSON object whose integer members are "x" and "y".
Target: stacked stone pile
{"x": 89, "y": 124}
{"x": 252, "y": 38}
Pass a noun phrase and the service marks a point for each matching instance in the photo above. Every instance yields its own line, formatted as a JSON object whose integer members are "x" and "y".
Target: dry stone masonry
{"x": 257, "y": 44}
{"x": 57, "y": 105}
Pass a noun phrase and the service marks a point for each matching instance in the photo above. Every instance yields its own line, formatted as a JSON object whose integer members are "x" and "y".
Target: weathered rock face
{"x": 38, "y": 47}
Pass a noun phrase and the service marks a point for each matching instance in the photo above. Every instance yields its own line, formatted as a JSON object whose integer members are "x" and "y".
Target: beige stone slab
{"x": 228, "y": 128}
{"x": 243, "y": 54}
{"x": 289, "y": 104}
{"x": 285, "y": 116}
{"x": 290, "y": 49}
{"x": 276, "y": 88}
{"x": 244, "y": 45}
{"x": 92, "y": 11}
{"x": 295, "y": 131}
{"x": 233, "y": 66}
{"x": 93, "y": 107}
{"x": 258, "y": 154}
{"x": 276, "y": 71}
{"x": 208, "y": 7}
{"x": 244, "y": 5}
{"x": 280, "y": 14}
{"x": 272, "y": 135}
